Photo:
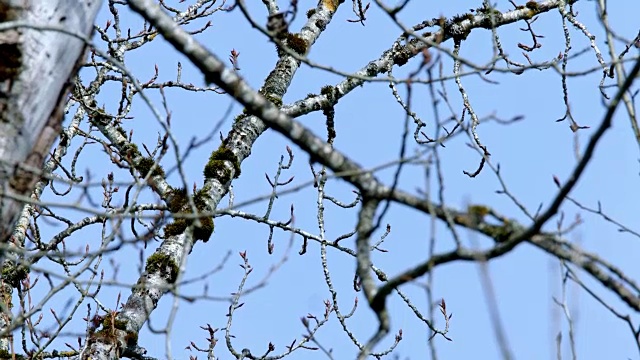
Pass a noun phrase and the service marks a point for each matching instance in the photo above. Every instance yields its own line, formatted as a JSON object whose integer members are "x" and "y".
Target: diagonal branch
{"x": 399, "y": 54}
{"x": 163, "y": 266}
{"x": 264, "y": 106}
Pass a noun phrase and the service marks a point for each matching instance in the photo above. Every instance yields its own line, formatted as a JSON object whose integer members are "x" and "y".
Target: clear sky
{"x": 369, "y": 125}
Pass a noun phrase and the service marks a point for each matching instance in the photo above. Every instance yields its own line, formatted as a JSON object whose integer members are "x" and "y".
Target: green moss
{"x": 178, "y": 203}
{"x": 100, "y": 116}
{"x": 495, "y": 13}
{"x": 13, "y": 274}
{"x": 280, "y": 51}
{"x": 204, "y": 231}
{"x": 311, "y": 12}
{"x": 177, "y": 227}
{"x": 131, "y": 338}
{"x": 177, "y": 199}
{"x": 5, "y": 354}
{"x": 109, "y": 324}
{"x": 275, "y": 100}
{"x": 65, "y": 354}
{"x": 130, "y": 150}
{"x": 121, "y": 130}
{"x": 145, "y": 164}
{"x": 458, "y": 18}
{"x": 216, "y": 167}
{"x": 240, "y": 117}
{"x": 533, "y": 5}
{"x": 297, "y": 43}
{"x": 478, "y": 210}
{"x": 401, "y": 57}
{"x": 104, "y": 336}
{"x": 159, "y": 262}
{"x": 500, "y": 233}
{"x": 224, "y": 174}
{"x": 281, "y": 35}
{"x": 200, "y": 198}
{"x": 492, "y": 15}
{"x": 326, "y": 90}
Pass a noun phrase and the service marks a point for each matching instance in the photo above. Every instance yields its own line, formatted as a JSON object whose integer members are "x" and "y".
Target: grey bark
{"x": 36, "y": 65}
{"x": 35, "y": 68}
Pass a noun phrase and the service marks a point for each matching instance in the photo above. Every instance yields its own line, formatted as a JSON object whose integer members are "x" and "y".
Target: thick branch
{"x": 154, "y": 282}
{"x": 35, "y": 68}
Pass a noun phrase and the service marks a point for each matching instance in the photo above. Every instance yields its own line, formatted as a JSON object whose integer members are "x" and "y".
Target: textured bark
{"x": 152, "y": 285}
{"x": 35, "y": 68}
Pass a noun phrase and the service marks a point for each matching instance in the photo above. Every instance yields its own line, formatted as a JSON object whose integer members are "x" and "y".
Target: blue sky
{"x": 369, "y": 125}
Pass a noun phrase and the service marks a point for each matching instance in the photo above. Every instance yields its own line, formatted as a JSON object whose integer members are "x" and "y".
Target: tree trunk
{"x": 36, "y": 69}
{"x": 37, "y": 66}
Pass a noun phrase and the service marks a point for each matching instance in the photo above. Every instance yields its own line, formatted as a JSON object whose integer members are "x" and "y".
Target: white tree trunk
{"x": 36, "y": 70}
{"x": 36, "y": 67}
